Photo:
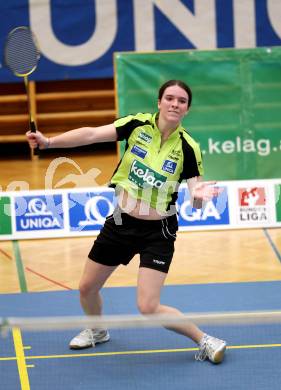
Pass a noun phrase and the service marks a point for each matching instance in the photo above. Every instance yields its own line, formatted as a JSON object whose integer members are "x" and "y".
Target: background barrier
{"x": 82, "y": 212}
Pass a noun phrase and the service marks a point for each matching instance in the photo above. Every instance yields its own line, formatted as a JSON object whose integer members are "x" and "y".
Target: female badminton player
{"x": 159, "y": 155}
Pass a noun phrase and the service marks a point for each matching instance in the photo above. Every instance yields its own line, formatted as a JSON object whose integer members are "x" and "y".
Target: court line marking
{"x": 20, "y": 268}
{"x": 21, "y": 273}
{"x": 20, "y": 358}
{"x": 48, "y": 279}
{"x": 7, "y": 358}
{"x": 273, "y": 246}
{"x": 139, "y": 352}
{"x": 6, "y": 254}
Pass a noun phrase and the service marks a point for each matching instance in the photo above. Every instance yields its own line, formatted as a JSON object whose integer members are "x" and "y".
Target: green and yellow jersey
{"x": 149, "y": 171}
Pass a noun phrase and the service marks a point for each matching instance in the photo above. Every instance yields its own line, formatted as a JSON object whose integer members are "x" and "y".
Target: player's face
{"x": 173, "y": 104}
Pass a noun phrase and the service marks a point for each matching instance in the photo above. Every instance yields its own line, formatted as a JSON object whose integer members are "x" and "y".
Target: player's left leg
{"x": 150, "y": 282}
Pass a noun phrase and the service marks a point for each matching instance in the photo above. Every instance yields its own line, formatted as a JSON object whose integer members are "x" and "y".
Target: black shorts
{"x": 121, "y": 239}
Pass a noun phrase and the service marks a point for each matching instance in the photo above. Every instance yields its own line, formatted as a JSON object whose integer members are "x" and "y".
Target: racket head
{"x": 21, "y": 51}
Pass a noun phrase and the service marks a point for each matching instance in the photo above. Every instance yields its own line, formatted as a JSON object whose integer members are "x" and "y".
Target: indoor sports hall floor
{"x": 204, "y": 277}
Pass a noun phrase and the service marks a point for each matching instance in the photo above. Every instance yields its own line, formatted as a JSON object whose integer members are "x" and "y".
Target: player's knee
{"x": 86, "y": 288}
{"x": 147, "y": 306}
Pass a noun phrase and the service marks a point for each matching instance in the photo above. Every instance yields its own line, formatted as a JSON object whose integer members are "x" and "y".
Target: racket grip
{"x": 33, "y": 129}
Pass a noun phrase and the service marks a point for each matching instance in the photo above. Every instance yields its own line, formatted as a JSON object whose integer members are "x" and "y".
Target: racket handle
{"x": 33, "y": 129}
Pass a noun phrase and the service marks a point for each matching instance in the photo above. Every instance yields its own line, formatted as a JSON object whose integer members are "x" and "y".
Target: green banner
{"x": 236, "y": 109}
{"x": 278, "y": 202}
{"x": 5, "y": 219}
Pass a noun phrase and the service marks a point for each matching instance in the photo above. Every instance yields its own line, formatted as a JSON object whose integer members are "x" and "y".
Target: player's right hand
{"x": 37, "y": 139}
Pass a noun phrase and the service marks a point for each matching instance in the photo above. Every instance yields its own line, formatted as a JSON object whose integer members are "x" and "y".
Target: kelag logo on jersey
{"x": 143, "y": 176}
{"x": 39, "y": 213}
{"x": 215, "y": 211}
{"x": 88, "y": 210}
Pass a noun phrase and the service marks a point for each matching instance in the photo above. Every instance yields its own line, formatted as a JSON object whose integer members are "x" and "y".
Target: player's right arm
{"x": 70, "y": 139}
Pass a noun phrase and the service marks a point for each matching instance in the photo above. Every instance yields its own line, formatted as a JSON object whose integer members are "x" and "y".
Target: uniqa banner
{"x": 77, "y": 38}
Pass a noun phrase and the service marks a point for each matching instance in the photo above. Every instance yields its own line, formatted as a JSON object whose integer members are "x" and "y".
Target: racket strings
{"x": 21, "y": 52}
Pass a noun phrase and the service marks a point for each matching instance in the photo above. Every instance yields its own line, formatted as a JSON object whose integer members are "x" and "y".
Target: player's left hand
{"x": 206, "y": 190}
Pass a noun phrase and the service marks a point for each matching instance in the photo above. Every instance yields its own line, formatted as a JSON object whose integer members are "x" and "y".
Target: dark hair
{"x": 181, "y": 84}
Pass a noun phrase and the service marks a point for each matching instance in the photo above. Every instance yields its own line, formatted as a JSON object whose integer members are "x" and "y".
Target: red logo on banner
{"x": 251, "y": 197}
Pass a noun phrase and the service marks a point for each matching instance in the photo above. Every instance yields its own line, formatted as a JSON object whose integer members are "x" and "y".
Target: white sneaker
{"x": 89, "y": 338}
{"x": 211, "y": 348}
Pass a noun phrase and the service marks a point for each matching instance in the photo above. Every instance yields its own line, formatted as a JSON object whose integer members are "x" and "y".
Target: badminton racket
{"x": 21, "y": 56}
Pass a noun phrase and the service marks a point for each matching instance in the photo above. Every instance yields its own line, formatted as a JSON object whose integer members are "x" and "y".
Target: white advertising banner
{"x": 82, "y": 211}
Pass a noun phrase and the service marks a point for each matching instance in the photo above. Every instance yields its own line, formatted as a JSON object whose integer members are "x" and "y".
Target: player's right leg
{"x": 93, "y": 278}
